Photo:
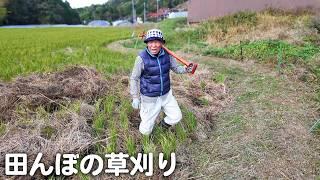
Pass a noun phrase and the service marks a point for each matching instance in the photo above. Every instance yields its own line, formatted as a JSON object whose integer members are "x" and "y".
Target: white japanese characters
{"x": 16, "y": 164}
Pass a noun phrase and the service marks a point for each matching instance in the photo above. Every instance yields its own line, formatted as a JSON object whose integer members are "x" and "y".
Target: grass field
{"x": 264, "y": 133}
{"x": 114, "y": 124}
{"x": 48, "y": 49}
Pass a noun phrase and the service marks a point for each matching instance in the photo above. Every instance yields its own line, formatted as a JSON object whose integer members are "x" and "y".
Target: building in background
{"x": 199, "y": 10}
{"x": 178, "y": 14}
{"x": 99, "y": 23}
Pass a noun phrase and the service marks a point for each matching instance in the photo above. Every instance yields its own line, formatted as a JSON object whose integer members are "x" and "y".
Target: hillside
{"x": 122, "y": 9}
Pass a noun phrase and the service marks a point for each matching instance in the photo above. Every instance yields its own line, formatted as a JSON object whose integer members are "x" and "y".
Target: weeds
{"x": 267, "y": 51}
{"x": 190, "y": 120}
{"x": 131, "y": 146}
{"x": 148, "y": 145}
{"x": 113, "y": 136}
{"x": 203, "y": 85}
{"x": 2, "y": 128}
{"x": 181, "y": 132}
{"x": 109, "y": 106}
{"x": 219, "y": 78}
{"x": 99, "y": 124}
{"x": 168, "y": 143}
{"x": 47, "y": 132}
{"x": 248, "y": 19}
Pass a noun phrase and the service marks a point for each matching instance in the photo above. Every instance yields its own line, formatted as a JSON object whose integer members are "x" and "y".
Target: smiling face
{"x": 154, "y": 46}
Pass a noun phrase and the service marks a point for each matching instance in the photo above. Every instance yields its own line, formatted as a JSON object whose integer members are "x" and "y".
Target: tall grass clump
{"x": 98, "y": 123}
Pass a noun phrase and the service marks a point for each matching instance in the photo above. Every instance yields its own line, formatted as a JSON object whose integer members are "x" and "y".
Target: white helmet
{"x": 154, "y": 34}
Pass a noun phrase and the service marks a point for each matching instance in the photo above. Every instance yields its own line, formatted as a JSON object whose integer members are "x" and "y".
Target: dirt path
{"x": 264, "y": 133}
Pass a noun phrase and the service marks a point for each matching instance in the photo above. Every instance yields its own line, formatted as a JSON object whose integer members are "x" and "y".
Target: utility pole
{"x": 134, "y": 19}
{"x": 157, "y": 10}
{"x": 144, "y": 12}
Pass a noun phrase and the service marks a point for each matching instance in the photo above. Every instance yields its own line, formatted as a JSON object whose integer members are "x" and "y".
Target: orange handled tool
{"x": 193, "y": 66}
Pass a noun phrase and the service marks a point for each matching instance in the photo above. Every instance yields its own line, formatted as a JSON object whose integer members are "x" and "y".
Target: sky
{"x": 83, "y": 3}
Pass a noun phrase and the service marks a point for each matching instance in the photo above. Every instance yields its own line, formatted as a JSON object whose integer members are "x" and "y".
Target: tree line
{"x": 21, "y": 12}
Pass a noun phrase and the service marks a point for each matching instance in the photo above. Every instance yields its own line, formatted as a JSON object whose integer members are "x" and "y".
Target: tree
{"x": 41, "y": 12}
{"x": 3, "y": 11}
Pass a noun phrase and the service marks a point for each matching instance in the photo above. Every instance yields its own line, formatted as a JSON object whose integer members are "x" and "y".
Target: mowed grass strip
{"x": 23, "y": 51}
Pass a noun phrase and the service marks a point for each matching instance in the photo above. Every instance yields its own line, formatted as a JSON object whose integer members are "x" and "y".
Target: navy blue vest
{"x": 155, "y": 78}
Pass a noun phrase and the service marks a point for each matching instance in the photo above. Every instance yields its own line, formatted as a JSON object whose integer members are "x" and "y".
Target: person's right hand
{"x": 135, "y": 103}
{"x": 189, "y": 68}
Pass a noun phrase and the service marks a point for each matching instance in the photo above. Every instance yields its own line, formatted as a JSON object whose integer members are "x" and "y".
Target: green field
{"x": 23, "y": 51}
{"x": 44, "y": 50}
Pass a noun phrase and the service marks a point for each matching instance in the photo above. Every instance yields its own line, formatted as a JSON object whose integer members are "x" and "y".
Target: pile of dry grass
{"x": 50, "y": 90}
{"x": 60, "y": 133}
{"x": 39, "y": 117}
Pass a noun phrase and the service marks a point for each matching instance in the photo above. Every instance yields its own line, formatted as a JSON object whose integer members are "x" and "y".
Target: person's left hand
{"x": 135, "y": 103}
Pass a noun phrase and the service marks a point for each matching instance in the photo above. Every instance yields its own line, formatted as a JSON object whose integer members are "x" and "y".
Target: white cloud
{"x": 83, "y": 3}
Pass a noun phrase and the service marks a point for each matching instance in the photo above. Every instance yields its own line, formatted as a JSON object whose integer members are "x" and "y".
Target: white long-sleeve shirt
{"x": 138, "y": 69}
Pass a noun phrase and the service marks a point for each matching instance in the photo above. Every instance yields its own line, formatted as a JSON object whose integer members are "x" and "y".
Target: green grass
{"x": 98, "y": 119}
{"x": 109, "y": 105}
{"x": 181, "y": 132}
{"x": 190, "y": 120}
{"x": 316, "y": 127}
{"x": 130, "y": 145}
{"x": 248, "y": 96}
{"x": 99, "y": 123}
{"x": 48, "y": 132}
{"x": 24, "y": 51}
{"x": 2, "y": 128}
{"x": 148, "y": 145}
{"x": 124, "y": 122}
{"x": 113, "y": 136}
{"x": 267, "y": 51}
{"x": 168, "y": 142}
{"x": 219, "y": 78}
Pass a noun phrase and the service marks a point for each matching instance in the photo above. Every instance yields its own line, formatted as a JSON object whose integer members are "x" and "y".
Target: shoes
{"x": 164, "y": 125}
